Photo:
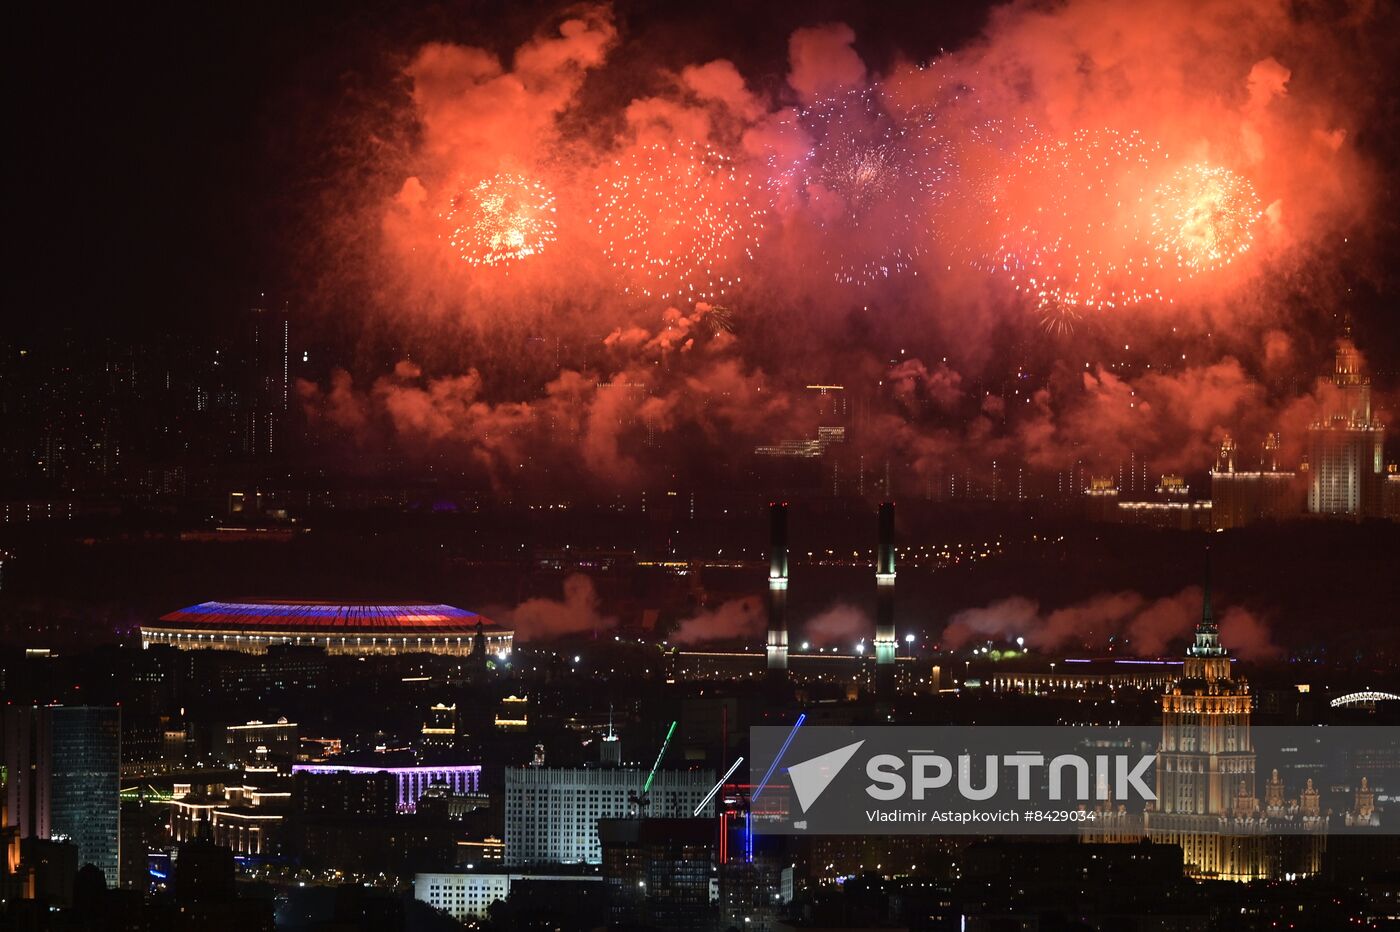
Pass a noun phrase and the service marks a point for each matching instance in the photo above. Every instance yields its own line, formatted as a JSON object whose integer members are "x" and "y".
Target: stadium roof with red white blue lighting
{"x": 350, "y": 618}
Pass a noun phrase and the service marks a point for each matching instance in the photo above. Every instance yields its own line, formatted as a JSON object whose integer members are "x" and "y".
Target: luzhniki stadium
{"x": 339, "y": 627}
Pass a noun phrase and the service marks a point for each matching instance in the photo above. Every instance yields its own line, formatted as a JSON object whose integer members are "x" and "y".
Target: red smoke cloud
{"x": 823, "y": 61}
{"x": 1247, "y": 636}
{"x": 544, "y": 619}
{"x": 841, "y": 625}
{"x": 734, "y": 620}
{"x": 745, "y": 619}
{"x": 1140, "y": 626}
{"x": 1172, "y": 418}
{"x": 693, "y": 378}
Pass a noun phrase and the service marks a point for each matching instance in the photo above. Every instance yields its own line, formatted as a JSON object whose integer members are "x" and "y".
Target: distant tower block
{"x": 1346, "y": 448}
{"x": 885, "y": 642}
{"x": 777, "y": 588}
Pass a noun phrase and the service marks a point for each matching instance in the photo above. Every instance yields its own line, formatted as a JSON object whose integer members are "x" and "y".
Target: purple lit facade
{"x": 353, "y": 628}
{"x": 412, "y": 782}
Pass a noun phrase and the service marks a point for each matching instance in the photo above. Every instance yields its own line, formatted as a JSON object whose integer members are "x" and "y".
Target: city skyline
{"x": 393, "y": 360}
{"x": 637, "y": 464}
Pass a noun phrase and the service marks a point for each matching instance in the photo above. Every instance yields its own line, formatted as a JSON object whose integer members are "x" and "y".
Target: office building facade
{"x": 64, "y": 769}
{"x": 552, "y": 813}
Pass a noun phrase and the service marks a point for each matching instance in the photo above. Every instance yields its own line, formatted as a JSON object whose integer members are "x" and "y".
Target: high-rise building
{"x": 63, "y": 765}
{"x": 269, "y": 363}
{"x": 552, "y": 813}
{"x": 1206, "y": 762}
{"x": 1207, "y": 795}
{"x": 254, "y": 742}
{"x": 14, "y": 881}
{"x": 1345, "y": 447}
{"x": 1243, "y": 496}
{"x": 610, "y": 747}
{"x": 659, "y": 872}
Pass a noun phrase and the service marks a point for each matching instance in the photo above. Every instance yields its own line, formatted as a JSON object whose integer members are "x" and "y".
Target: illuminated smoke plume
{"x": 823, "y": 60}
{"x": 678, "y": 221}
{"x": 1127, "y": 621}
{"x": 859, "y": 180}
{"x": 1151, "y": 173}
{"x": 1248, "y": 636}
{"x": 842, "y": 625}
{"x": 577, "y": 612}
{"x": 1100, "y": 220}
{"x": 734, "y": 620}
{"x": 602, "y": 417}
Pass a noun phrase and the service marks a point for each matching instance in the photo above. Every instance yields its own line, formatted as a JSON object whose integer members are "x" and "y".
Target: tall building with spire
{"x": 1207, "y": 799}
{"x": 610, "y": 748}
{"x": 1205, "y": 763}
{"x": 1346, "y": 446}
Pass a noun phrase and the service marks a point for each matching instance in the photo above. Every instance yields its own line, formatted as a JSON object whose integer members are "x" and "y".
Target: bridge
{"x": 1365, "y": 697}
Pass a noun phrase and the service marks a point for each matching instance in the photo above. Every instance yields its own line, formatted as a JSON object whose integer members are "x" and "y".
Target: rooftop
{"x": 329, "y": 617}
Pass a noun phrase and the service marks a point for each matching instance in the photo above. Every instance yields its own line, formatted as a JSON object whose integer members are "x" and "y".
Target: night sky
{"x": 165, "y": 154}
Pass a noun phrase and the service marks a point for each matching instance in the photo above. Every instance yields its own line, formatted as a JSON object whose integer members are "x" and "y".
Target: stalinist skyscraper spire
{"x": 1205, "y": 764}
{"x": 1207, "y": 642}
{"x": 1346, "y": 446}
{"x": 1207, "y": 802}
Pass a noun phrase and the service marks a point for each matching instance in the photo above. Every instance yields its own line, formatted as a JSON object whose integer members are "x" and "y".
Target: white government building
{"x": 552, "y": 813}
{"x": 469, "y": 896}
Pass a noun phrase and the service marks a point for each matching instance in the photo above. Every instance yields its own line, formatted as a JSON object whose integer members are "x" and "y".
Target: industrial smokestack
{"x": 777, "y": 588}
{"x": 884, "y": 557}
{"x": 885, "y": 643}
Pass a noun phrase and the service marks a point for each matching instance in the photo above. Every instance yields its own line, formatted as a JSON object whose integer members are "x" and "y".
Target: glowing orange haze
{"x": 679, "y": 265}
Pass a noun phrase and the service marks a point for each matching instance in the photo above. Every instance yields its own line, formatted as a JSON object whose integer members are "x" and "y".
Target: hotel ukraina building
{"x": 1207, "y": 792}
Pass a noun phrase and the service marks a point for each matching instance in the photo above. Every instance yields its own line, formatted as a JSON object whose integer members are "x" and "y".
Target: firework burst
{"x": 1088, "y": 223}
{"x": 500, "y": 220}
{"x": 720, "y": 319}
{"x": 1065, "y": 221}
{"x": 1203, "y": 217}
{"x": 677, "y": 220}
{"x": 866, "y": 178}
{"x": 1059, "y": 320}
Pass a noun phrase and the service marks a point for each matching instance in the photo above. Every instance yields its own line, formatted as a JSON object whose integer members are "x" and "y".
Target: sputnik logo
{"x": 811, "y": 777}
